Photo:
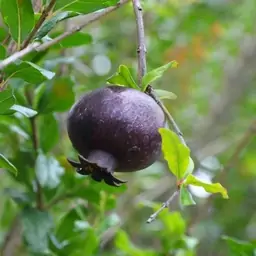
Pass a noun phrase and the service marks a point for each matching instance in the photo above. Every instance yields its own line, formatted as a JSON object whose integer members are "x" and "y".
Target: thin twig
{"x": 164, "y": 205}
{"x": 39, "y": 192}
{"x": 41, "y": 47}
{"x": 43, "y": 17}
{"x": 141, "y": 51}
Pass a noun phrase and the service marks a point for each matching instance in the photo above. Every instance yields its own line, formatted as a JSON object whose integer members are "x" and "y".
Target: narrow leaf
{"x": 185, "y": 197}
{"x": 53, "y": 21}
{"x": 6, "y": 164}
{"x": 123, "y": 77}
{"x": 24, "y": 110}
{"x": 163, "y": 94}
{"x": 84, "y": 6}
{"x": 175, "y": 153}
{"x": 19, "y": 16}
{"x": 208, "y": 187}
{"x": 29, "y": 72}
{"x": 156, "y": 73}
{"x": 7, "y": 99}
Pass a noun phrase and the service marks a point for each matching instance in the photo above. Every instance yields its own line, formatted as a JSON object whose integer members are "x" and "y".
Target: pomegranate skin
{"x": 121, "y": 123}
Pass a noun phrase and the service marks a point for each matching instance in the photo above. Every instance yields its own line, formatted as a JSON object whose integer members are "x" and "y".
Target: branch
{"x": 141, "y": 51}
{"x": 43, "y": 17}
{"x": 41, "y": 47}
{"x": 142, "y": 67}
{"x": 164, "y": 205}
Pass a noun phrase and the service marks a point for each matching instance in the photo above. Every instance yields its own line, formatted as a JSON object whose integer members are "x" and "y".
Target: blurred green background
{"x": 215, "y": 45}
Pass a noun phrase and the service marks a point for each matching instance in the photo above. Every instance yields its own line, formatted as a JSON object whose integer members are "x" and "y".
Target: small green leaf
{"x": 7, "y": 99}
{"x": 208, "y": 187}
{"x": 185, "y": 197}
{"x": 28, "y": 112}
{"x": 48, "y": 132}
{"x": 48, "y": 171}
{"x": 29, "y": 72}
{"x": 163, "y": 94}
{"x": 84, "y": 6}
{"x": 123, "y": 78}
{"x": 52, "y": 22}
{"x": 36, "y": 227}
{"x": 19, "y": 16}
{"x": 156, "y": 73}
{"x": 6, "y": 164}
{"x": 175, "y": 153}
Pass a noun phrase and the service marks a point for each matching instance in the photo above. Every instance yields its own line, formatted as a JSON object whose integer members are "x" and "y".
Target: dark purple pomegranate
{"x": 115, "y": 129}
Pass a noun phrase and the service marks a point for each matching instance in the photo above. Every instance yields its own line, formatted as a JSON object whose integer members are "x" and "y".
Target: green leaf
{"x": 6, "y": 164}
{"x": 84, "y": 6}
{"x": 58, "y": 96}
{"x": 76, "y": 39}
{"x": 2, "y": 52}
{"x": 123, "y": 77}
{"x": 7, "y": 99}
{"x": 29, "y": 72}
{"x": 185, "y": 197}
{"x": 36, "y": 227}
{"x": 211, "y": 188}
{"x": 156, "y": 73}
{"x": 175, "y": 153}
{"x": 163, "y": 94}
{"x": 48, "y": 132}
{"x": 28, "y": 112}
{"x": 240, "y": 248}
{"x": 53, "y": 21}
{"x": 48, "y": 171}
{"x": 19, "y": 16}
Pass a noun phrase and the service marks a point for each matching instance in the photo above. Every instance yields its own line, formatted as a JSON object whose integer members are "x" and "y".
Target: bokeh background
{"x": 215, "y": 45}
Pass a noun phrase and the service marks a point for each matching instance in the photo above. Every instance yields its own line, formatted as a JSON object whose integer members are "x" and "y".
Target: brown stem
{"x": 43, "y": 17}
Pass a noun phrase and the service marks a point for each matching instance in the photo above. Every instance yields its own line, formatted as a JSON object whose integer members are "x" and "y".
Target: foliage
{"x": 58, "y": 212}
